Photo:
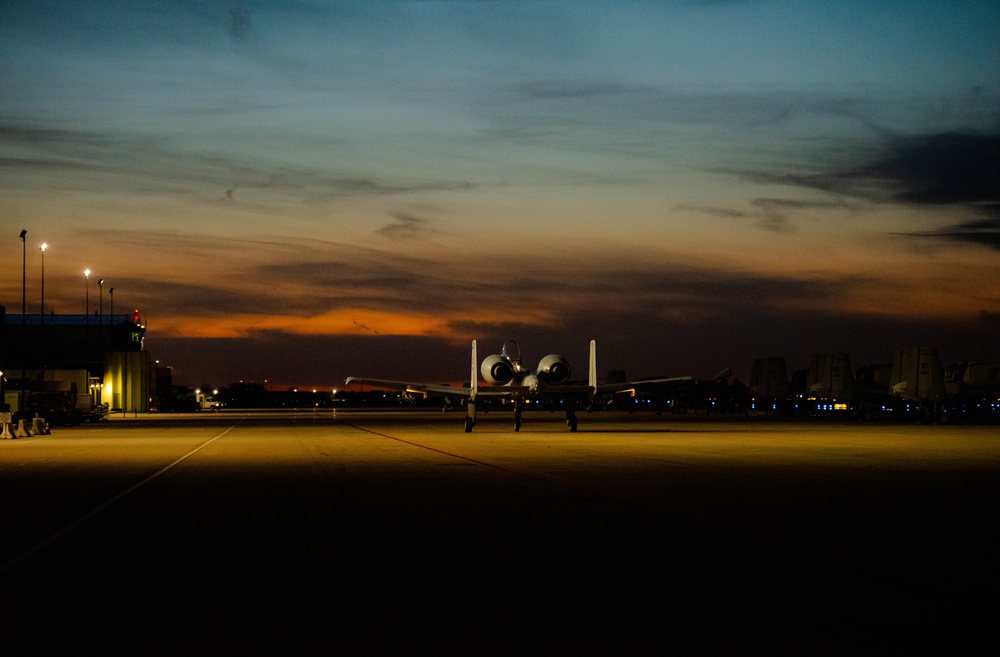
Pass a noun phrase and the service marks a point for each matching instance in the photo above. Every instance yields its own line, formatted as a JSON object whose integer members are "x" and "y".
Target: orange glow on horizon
{"x": 337, "y": 322}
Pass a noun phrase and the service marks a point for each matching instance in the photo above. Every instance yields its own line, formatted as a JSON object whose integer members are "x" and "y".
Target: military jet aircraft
{"x": 509, "y": 380}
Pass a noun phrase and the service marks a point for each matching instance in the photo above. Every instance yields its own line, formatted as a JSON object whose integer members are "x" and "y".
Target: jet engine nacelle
{"x": 497, "y": 370}
{"x": 554, "y": 369}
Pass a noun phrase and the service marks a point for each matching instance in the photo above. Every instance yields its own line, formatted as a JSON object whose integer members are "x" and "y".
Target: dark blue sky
{"x": 306, "y": 190}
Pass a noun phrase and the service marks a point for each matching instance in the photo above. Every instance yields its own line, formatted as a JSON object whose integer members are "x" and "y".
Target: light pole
{"x": 23, "y": 303}
{"x": 86, "y": 312}
{"x": 41, "y": 318}
{"x": 100, "y": 329}
{"x": 42, "y": 249}
{"x": 111, "y": 293}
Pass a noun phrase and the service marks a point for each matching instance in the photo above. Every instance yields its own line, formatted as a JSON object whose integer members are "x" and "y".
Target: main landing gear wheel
{"x": 469, "y": 423}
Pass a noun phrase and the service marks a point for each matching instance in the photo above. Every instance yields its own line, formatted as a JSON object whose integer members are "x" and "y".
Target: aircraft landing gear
{"x": 571, "y": 419}
{"x": 517, "y": 415}
{"x": 470, "y": 419}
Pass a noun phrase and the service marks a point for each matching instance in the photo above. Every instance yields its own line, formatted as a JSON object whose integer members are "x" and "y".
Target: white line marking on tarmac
{"x": 468, "y": 460}
{"x": 87, "y": 516}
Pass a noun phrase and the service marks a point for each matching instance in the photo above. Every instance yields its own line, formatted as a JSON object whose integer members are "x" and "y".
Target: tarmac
{"x": 322, "y": 532}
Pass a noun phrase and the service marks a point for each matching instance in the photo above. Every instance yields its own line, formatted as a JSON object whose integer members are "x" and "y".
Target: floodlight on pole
{"x": 41, "y": 319}
{"x": 23, "y": 303}
{"x": 100, "y": 329}
{"x": 86, "y": 312}
{"x": 42, "y": 249}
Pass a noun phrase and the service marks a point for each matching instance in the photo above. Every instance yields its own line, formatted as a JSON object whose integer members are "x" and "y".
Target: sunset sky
{"x": 301, "y": 191}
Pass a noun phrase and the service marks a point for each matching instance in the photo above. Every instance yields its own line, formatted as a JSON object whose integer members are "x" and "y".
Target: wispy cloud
{"x": 984, "y": 232}
{"x": 777, "y": 215}
{"x": 405, "y": 226}
{"x": 144, "y": 164}
{"x": 930, "y": 169}
{"x": 943, "y": 168}
{"x": 368, "y": 281}
{"x": 957, "y": 169}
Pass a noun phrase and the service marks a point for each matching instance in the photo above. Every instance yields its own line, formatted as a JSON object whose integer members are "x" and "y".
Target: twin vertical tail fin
{"x": 592, "y": 371}
{"x": 474, "y": 379}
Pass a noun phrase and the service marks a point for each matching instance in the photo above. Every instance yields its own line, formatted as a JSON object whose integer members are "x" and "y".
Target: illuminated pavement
{"x": 373, "y": 532}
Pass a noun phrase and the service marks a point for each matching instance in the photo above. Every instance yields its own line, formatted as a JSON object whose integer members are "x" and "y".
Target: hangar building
{"x": 53, "y": 361}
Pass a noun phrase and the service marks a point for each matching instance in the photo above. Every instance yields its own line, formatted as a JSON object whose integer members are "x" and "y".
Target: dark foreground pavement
{"x": 375, "y": 533}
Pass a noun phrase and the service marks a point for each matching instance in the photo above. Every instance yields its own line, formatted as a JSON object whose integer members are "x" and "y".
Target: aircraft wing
{"x": 541, "y": 392}
{"x": 412, "y": 387}
{"x": 653, "y": 385}
{"x": 658, "y": 385}
{"x": 494, "y": 392}
{"x": 648, "y": 386}
{"x": 509, "y": 392}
